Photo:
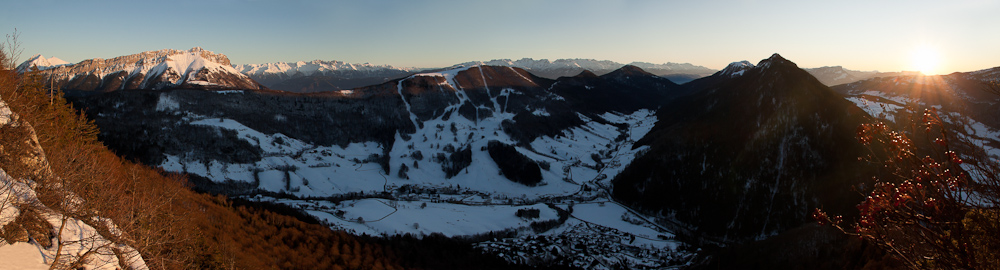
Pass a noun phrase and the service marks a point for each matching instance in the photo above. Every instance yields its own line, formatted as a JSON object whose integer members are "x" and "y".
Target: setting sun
{"x": 925, "y": 60}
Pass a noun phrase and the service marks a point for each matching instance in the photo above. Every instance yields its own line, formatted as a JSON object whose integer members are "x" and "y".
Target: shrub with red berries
{"x": 927, "y": 211}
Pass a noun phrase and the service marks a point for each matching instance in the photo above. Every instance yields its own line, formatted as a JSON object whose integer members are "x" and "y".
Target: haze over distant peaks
{"x": 835, "y": 75}
{"x": 572, "y": 67}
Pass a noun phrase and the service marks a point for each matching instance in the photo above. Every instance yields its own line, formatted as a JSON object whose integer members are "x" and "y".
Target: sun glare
{"x": 925, "y": 60}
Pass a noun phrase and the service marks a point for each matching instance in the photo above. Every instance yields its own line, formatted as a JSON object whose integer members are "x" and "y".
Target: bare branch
{"x": 992, "y": 87}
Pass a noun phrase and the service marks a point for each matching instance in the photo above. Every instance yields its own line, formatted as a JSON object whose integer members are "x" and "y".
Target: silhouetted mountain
{"x": 748, "y": 154}
{"x": 586, "y": 73}
{"x": 624, "y": 90}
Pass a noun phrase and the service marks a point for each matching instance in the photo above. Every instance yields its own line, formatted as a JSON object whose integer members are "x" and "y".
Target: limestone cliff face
{"x": 21, "y": 145}
{"x": 153, "y": 70}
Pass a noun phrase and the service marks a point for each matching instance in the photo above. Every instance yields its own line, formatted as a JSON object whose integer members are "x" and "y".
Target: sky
{"x": 938, "y": 37}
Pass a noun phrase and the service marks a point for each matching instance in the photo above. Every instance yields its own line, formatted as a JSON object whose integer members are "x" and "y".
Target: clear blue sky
{"x": 862, "y": 35}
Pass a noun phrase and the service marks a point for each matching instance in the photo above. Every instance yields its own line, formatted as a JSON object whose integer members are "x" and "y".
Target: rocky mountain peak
{"x": 775, "y": 59}
{"x": 219, "y": 58}
{"x": 41, "y": 63}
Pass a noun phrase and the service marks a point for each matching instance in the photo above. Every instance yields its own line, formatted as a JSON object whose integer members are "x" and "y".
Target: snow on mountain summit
{"x": 735, "y": 69}
{"x": 312, "y": 67}
{"x": 41, "y": 63}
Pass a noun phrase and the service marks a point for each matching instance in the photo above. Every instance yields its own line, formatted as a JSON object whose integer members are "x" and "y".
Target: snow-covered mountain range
{"x": 317, "y": 67}
{"x": 201, "y": 69}
{"x": 195, "y": 68}
{"x": 318, "y": 75}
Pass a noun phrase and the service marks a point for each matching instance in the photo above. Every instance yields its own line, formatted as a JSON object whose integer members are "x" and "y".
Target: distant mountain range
{"x": 319, "y": 76}
{"x": 678, "y": 73}
{"x": 164, "y": 69}
{"x": 198, "y": 68}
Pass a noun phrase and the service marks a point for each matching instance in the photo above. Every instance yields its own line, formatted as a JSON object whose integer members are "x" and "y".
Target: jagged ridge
{"x": 194, "y": 69}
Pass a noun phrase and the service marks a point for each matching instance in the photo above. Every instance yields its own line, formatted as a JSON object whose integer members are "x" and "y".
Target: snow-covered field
{"x": 597, "y": 230}
{"x": 391, "y": 217}
{"x": 875, "y": 108}
{"x": 478, "y": 200}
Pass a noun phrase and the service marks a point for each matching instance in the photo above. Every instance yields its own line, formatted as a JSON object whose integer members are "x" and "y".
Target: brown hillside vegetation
{"x": 172, "y": 226}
